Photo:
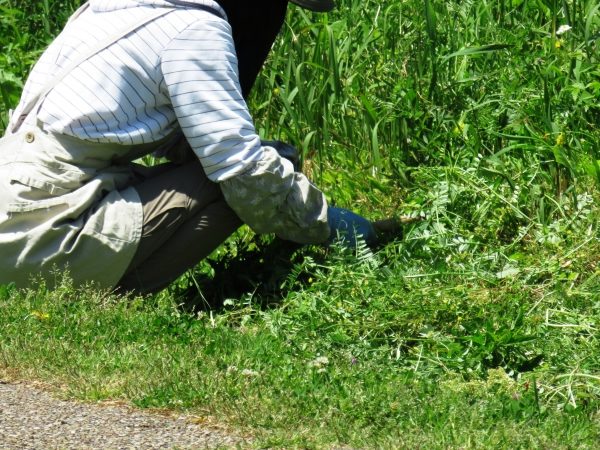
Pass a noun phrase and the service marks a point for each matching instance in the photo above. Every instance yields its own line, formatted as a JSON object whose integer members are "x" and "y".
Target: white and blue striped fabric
{"x": 181, "y": 69}
{"x": 176, "y": 72}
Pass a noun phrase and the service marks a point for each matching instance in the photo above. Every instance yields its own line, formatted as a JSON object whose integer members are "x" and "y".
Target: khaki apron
{"x": 67, "y": 204}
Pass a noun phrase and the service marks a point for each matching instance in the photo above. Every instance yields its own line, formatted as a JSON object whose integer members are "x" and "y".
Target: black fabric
{"x": 255, "y": 25}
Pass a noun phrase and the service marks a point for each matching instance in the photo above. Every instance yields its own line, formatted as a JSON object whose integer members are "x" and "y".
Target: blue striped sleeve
{"x": 201, "y": 78}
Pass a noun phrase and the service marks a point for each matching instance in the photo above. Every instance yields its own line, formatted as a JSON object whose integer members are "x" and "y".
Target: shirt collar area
{"x": 112, "y": 5}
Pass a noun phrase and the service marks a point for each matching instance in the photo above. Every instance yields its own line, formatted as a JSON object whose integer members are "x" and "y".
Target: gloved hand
{"x": 347, "y": 225}
{"x": 286, "y": 151}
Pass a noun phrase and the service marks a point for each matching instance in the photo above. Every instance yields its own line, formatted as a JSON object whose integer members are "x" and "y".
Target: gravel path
{"x": 31, "y": 419}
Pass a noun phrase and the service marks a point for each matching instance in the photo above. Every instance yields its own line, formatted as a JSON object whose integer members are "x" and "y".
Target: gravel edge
{"x": 31, "y": 417}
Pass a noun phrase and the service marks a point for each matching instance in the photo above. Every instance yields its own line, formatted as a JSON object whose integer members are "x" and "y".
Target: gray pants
{"x": 185, "y": 219}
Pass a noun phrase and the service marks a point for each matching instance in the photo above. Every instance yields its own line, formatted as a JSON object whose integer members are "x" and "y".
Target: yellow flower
{"x": 40, "y": 315}
{"x": 557, "y": 44}
{"x": 561, "y": 139}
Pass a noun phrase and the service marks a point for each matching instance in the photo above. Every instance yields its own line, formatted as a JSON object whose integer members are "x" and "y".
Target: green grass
{"x": 364, "y": 352}
{"x": 478, "y": 329}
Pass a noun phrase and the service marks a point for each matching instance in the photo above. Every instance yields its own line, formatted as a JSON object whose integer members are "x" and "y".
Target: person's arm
{"x": 201, "y": 79}
{"x": 271, "y": 197}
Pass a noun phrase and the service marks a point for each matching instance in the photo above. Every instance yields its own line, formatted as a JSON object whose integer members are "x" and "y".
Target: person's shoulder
{"x": 197, "y": 22}
{"x": 195, "y": 15}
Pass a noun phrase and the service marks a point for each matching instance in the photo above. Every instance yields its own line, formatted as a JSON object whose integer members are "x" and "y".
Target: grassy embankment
{"x": 479, "y": 329}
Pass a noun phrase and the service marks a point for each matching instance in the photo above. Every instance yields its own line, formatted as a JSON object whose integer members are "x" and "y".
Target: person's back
{"x": 118, "y": 95}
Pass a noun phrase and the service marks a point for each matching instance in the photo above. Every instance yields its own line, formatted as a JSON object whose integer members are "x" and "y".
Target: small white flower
{"x": 563, "y": 29}
{"x": 320, "y": 362}
{"x": 250, "y": 373}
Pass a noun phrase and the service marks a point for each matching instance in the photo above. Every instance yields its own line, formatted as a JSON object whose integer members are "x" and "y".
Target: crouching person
{"x": 131, "y": 78}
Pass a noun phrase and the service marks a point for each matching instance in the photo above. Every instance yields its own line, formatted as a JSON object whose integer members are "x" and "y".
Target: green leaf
{"x": 480, "y": 50}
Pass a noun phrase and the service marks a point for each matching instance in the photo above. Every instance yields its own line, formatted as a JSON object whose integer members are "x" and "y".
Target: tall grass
{"x": 438, "y": 83}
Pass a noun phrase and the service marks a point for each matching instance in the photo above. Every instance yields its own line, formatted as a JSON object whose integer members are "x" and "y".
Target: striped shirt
{"x": 177, "y": 72}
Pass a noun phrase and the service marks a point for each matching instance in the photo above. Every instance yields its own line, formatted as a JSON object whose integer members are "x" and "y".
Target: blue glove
{"x": 348, "y": 225}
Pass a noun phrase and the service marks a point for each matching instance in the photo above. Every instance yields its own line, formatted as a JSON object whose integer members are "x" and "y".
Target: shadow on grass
{"x": 260, "y": 273}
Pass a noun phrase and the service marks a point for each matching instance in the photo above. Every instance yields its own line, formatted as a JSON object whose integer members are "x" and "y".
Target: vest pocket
{"x": 33, "y": 186}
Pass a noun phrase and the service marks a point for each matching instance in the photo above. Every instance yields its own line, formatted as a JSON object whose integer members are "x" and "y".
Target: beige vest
{"x": 66, "y": 204}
